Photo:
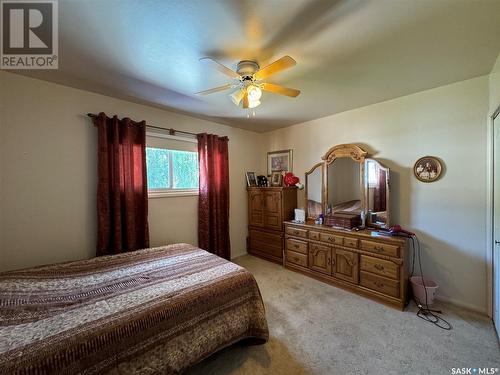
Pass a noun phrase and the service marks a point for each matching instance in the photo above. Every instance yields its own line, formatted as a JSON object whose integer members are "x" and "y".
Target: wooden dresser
{"x": 375, "y": 266}
{"x": 268, "y": 207}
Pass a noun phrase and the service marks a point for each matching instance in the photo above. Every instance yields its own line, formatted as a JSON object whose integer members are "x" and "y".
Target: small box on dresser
{"x": 363, "y": 262}
{"x": 343, "y": 220}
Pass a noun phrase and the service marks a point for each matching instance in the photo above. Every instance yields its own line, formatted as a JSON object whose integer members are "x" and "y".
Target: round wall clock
{"x": 427, "y": 169}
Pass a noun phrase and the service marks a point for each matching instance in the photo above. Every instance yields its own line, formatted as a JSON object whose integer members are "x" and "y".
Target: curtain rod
{"x": 171, "y": 131}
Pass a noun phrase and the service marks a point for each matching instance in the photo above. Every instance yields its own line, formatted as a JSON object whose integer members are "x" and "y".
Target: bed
{"x": 155, "y": 310}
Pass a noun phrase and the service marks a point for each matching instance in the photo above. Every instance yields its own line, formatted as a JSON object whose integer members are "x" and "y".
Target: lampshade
{"x": 237, "y": 96}
{"x": 254, "y": 93}
{"x": 253, "y": 103}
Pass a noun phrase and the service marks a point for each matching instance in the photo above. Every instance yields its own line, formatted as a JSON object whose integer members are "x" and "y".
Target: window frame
{"x": 160, "y": 193}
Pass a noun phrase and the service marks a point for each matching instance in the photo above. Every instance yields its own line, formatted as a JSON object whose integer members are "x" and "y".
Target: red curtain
{"x": 122, "y": 194}
{"x": 380, "y": 193}
{"x": 213, "y": 200}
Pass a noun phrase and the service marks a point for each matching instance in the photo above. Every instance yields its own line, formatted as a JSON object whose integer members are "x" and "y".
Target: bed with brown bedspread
{"x": 156, "y": 310}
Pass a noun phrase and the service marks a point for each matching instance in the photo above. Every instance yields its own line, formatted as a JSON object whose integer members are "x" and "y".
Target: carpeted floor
{"x": 320, "y": 329}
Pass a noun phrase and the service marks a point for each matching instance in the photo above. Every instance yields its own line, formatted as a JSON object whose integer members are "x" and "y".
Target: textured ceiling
{"x": 349, "y": 53}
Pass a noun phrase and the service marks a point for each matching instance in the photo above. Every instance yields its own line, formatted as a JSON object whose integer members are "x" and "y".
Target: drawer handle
{"x": 379, "y": 267}
{"x": 331, "y": 239}
{"x": 379, "y": 284}
{"x": 296, "y": 232}
{"x": 378, "y": 248}
{"x": 296, "y": 259}
{"x": 296, "y": 246}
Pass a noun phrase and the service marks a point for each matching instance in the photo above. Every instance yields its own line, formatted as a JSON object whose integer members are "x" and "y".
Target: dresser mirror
{"x": 314, "y": 191}
{"x": 377, "y": 193}
{"x": 348, "y": 182}
{"x": 344, "y": 186}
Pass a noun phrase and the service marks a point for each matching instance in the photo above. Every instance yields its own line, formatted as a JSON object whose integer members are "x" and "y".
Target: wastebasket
{"x": 417, "y": 285}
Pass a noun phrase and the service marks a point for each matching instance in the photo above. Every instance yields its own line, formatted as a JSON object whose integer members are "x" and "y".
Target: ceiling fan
{"x": 249, "y": 75}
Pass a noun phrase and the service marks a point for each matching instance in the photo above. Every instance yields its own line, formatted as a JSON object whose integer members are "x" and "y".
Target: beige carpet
{"x": 319, "y": 329}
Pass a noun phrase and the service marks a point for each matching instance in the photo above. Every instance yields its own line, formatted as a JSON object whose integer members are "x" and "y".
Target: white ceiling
{"x": 349, "y": 53}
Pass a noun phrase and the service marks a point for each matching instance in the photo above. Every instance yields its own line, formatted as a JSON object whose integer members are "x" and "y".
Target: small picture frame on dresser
{"x": 276, "y": 179}
{"x": 251, "y": 179}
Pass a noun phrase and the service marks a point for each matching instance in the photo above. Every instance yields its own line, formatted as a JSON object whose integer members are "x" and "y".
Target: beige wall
{"x": 48, "y": 173}
{"x": 449, "y": 215}
{"x": 495, "y": 86}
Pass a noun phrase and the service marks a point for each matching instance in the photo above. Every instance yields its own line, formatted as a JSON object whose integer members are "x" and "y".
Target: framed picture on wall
{"x": 427, "y": 169}
{"x": 278, "y": 161}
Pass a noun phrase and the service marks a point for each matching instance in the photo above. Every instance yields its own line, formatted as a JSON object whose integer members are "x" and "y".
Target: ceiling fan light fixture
{"x": 249, "y": 85}
{"x": 254, "y": 93}
{"x": 237, "y": 96}
{"x": 253, "y": 103}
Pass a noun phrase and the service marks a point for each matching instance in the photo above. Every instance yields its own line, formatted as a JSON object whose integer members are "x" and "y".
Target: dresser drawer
{"x": 351, "y": 242}
{"x": 296, "y": 232}
{"x": 298, "y": 246}
{"x": 314, "y": 235}
{"x": 266, "y": 243}
{"x": 270, "y": 238}
{"x": 380, "y": 248}
{"x": 296, "y": 258}
{"x": 331, "y": 238}
{"x": 380, "y": 267}
{"x": 379, "y": 284}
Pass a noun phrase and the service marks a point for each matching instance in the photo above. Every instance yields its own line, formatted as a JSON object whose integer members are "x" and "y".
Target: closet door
{"x": 272, "y": 210}
{"x": 496, "y": 220}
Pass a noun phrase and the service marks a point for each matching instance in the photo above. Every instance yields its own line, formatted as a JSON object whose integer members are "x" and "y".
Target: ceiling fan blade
{"x": 284, "y": 63}
{"x": 221, "y": 68}
{"x": 280, "y": 89}
{"x": 215, "y": 89}
{"x": 246, "y": 102}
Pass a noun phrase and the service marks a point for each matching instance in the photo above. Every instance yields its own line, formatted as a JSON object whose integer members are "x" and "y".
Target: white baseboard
{"x": 238, "y": 254}
{"x": 465, "y": 305}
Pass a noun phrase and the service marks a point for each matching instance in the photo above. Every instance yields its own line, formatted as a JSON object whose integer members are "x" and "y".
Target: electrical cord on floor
{"x": 424, "y": 312}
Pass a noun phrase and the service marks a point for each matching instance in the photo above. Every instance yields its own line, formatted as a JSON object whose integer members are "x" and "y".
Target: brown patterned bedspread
{"x": 156, "y": 310}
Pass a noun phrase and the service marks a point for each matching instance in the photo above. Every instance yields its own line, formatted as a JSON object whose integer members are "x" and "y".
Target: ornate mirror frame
{"x": 359, "y": 155}
{"x": 352, "y": 151}
{"x": 309, "y": 172}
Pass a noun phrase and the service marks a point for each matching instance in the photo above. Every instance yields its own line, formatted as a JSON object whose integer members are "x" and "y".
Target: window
{"x": 372, "y": 174}
{"x": 172, "y": 165}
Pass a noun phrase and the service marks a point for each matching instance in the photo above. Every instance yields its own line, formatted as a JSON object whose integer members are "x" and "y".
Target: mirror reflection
{"x": 377, "y": 187}
{"x": 314, "y": 185}
{"x": 344, "y": 186}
